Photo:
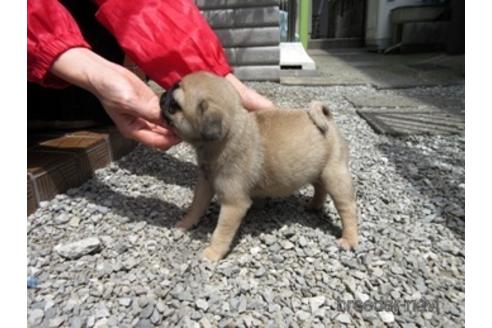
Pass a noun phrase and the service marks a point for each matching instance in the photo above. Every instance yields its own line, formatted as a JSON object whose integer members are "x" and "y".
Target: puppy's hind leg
{"x": 202, "y": 197}
{"x": 338, "y": 182}
{"x": 319, "y": 196}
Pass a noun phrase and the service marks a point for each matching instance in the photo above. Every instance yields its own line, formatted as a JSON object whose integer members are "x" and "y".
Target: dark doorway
{"x": 338, "y": 19}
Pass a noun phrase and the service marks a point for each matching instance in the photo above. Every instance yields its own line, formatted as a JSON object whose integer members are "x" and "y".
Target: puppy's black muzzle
{"x": 168, "y": 104}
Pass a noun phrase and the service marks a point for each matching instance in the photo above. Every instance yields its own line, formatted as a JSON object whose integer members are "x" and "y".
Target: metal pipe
{"x": 292, "y": 17}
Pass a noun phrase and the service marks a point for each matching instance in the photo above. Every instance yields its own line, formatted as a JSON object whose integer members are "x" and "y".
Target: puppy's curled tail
{"x": 320, "y": 114}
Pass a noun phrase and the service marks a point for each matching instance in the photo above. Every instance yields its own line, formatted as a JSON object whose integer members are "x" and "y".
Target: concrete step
{"x": 253, "y": 56}
{"x": 336, "y": 43}
{"x": 249, "y": 37}
{"x": 242, "y": 17}
{"x": 293, "y": 54}
{"x": 219, "y": 4}
{"x": 258, "y": 73}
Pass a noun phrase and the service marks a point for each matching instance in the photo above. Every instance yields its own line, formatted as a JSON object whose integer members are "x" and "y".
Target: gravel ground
{"x": 130, "y": 268}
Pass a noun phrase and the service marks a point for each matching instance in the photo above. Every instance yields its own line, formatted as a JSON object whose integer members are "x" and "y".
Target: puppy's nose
{"x": 166, "y": 116}
{"x": 162, "y": 100}
{"x": 167, "y": 98}
{"x": 168, "y": 104}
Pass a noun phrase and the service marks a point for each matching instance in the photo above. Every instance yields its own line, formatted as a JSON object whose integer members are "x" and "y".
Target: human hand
{"x": 130, "y": 103}
{"x": 133, "y": 107}
{"x": 250, "y": 99}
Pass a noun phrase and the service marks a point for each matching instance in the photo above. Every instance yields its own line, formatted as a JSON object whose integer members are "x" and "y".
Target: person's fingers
{"x": 153, "y": 139}
{"x": 250, "y": 99}
{"x": 146, "y": 133}
{"x": 140, "y": 123}
{"x": 162, "y": 128}
{"x": 144, "y": 124}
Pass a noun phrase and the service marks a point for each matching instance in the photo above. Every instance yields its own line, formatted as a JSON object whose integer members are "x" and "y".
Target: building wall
{"x": 250, "y": 33}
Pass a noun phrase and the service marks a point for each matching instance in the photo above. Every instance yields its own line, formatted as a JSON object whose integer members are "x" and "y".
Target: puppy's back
{"x": 294, "y": 150}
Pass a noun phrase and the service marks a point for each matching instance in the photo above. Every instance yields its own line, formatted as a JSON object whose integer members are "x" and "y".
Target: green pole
{"x": 304, "y": 21}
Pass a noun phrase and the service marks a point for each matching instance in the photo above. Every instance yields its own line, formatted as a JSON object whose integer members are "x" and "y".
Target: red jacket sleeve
{"x": 51, "y": 31}
{"x": 167, "y": 39}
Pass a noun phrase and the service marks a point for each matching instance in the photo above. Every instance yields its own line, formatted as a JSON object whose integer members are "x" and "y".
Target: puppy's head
{"x": 201, "y": 107}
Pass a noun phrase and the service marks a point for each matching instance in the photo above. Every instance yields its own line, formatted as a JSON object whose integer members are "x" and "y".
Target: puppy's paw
{"x": 185, "y": 224}
{"x": 347, "y": 243}
{"x": 211, "y": 254}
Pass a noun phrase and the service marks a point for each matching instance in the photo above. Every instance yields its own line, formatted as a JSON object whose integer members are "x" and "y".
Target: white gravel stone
{"x": 255, "y": 250}
{"x": 361, "y": 296}
{"x": 344, "y": 318}
{"x": 386, "y": 317}
{"x": 62, "y": 218}
{"x": 287, "y": 244}
{"x": 35, "y": 317}
{"x": 56, "y": 322}
{"x": 126, "y": 301}
{"x": 205, "y": 323}
{"x": 316, "y": 302}
{"x": 202, "y": 304}
{"x": 101, "y": 323}
{"x": 74, "y": 222}
{"x": 76, "y": 249}
{"x": 303, "y": 315}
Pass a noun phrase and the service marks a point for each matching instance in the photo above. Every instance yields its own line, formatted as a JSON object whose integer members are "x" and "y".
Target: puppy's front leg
{"x": 202, "y": 197}
{"x": 230, "y": 217}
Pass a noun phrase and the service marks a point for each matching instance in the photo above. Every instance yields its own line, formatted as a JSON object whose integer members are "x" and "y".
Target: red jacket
{"x": 166, "y": 39}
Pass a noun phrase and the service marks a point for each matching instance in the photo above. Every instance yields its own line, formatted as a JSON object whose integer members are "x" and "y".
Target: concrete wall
{"x": 250, "y": 33}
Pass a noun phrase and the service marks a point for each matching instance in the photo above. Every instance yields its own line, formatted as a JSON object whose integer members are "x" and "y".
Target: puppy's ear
{"x": 211, "y": 124}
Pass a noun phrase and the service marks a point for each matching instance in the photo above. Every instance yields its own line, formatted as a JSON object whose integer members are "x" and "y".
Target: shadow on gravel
{"x": 269, "y": 218}
{"x": 153, "y": 210}
{"x": 266, "y": 218}
{"x": 434, "y": 178}
{"x": 164, "y": 167}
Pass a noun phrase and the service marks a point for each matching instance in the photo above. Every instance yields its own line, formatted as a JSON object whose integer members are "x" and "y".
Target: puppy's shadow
{"x": 269, "y": 218}
{"x": 160, "y": 212}
{"x": 152, "y": 210}
{"x": 164, "y": 167}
